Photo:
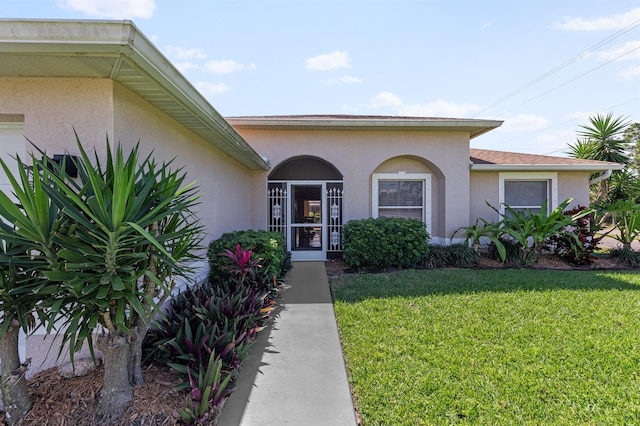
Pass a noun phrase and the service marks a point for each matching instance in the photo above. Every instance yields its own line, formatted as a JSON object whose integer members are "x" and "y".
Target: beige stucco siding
{"x": 574, "y": 185}
{"x": 485, "y": 188}
{"x": 225, "y": 185}
{"x": 358, "y": 154}
{"x": 54, "y": 107}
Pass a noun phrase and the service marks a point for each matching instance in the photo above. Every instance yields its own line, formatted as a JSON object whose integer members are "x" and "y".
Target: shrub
{"x": 585, "y": 229}
{"x": 208, "y": 329}
{"x": 483, "y": 229}
{"x": 626, "y": 256}
{"x": 512, "y": 249}
{"x": 266, "y": 245}
{"x": 454, "y": 255}
{"x": 384, "y": 243}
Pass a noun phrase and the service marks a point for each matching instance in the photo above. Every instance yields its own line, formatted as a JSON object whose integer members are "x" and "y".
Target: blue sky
{"x": 542, "y": 66}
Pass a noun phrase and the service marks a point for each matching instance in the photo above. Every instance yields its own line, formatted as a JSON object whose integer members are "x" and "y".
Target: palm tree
{"x": 602, "y": 139}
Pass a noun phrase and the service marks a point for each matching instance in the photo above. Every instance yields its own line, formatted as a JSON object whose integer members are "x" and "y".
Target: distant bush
{"x": 266, "y": 245}
{"x": 384, "y": 243}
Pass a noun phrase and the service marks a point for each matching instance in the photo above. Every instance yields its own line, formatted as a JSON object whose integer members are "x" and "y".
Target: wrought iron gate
{"x": 278, "y": 205}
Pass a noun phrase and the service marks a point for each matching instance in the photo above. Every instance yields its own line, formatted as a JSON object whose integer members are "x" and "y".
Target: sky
{"x": 542, "y": 66}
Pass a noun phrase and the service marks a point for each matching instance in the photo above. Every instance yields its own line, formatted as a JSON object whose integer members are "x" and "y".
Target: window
{"x": 405, "y": 195}
{"x": 12, "y": 142}
{"x": 528, "y": 191}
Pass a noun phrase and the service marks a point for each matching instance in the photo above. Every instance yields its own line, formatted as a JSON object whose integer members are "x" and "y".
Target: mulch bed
{"x": 60, "y": 401}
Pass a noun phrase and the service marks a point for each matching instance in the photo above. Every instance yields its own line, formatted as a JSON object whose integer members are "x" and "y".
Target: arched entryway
{"x": 305, "y": 198}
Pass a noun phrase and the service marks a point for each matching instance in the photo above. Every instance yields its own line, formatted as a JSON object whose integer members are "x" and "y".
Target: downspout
{"x": 603, "y": 176}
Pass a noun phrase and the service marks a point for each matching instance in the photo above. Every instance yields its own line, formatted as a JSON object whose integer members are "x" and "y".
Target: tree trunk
{"x": 116, "y": 394}
{"x": 14, "y": 384}
{"x": 135, "y": 355}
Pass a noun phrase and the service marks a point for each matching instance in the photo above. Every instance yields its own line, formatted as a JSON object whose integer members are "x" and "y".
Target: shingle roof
{"x": 484, "y": 159}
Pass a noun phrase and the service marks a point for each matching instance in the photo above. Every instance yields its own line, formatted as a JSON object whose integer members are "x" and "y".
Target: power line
{"x": 561, "y": 66}
{"x": 566, "y": 122}
{"x": 568, "y": 81}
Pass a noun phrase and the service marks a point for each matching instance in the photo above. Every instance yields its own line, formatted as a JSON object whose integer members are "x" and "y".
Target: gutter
{"x": 605, "y": 175}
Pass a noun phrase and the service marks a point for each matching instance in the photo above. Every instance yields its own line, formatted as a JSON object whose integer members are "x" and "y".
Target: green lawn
{"x": 508, "y": 347}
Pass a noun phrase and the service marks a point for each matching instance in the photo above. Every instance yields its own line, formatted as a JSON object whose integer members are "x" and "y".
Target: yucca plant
{"x": 27, "y": 247}
{"x": 114, "y": 262}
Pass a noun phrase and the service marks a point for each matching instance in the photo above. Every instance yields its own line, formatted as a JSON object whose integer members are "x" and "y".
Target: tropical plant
{"x": 602, "y": 139}
{"x": 531, "y": 229}
{"x": 632, "y": 137}
{"x": 483, "y": 229}
{"x": 27, "y": 247}
{"x": 587, "y": 231}
{"x": 216, "y": 320}
{"x": 208, "y": 389}
{"x": 113, "y": 263}
{"x": 626, "y": 216}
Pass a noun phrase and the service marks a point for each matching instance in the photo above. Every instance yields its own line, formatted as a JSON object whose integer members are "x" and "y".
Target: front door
{"x": 307, "y": 227}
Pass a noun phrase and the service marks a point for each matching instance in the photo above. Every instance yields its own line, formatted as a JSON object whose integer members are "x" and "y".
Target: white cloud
{"x": 212, "y": 89}
{"x": 185, "y": 66}
{"x": 384, "y": 99}
{"x": 329, "y": 61}
{"x": 578, "y": 115}
{"x": 227, "y": 66}
{"x": 115, "y": 9}
{"x": 611, "y": 22}
{"x": 346, "y": 79}
{"x": 524, "y": 123}
{"x": 553, "y": 143}
{"x": 439, "y": 108}
{"x": 185, "y": 53}
{"x": 630, "y": 72}
{"x": 630, "y": 50}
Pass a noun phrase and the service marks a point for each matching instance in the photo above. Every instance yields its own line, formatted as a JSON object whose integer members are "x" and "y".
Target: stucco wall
{"x": 485, "y": 188}
{"x": 54, "y": 107}
{"x": 574, "y": 185}
{"x": 358, "y": 154}
{"x": 225, "y": 184}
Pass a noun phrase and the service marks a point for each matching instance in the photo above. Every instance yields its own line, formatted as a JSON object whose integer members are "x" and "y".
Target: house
{"x": 301, "y": 175}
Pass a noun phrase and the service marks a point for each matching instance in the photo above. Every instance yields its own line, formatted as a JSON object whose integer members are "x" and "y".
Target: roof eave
{"x": 474, "y": 127}
{"x": 546, "y": 167}
{"x": 122, "y": 41}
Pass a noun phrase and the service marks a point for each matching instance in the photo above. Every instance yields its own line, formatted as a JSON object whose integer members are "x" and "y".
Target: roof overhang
{"x": 118, "y": 51}
{"x": 546, "y": 167}
{"x": 475, "y": 127}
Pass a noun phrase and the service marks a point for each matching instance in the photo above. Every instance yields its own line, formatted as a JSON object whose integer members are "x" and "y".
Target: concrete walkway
{"x": 295, "y": 373}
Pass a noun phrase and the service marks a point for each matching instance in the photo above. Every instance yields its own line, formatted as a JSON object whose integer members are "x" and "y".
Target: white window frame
{"x": 426, "y": 195}
{"x": 550, "y": 177}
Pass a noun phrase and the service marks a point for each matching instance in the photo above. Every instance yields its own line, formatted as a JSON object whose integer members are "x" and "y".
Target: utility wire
{"x": 568, "y": 81}
{"x": 563, "y": 123}
{"x": 561, "y": 66}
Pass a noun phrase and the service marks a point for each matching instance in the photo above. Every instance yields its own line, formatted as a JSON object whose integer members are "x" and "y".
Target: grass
{"x": 508, "y": 347}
